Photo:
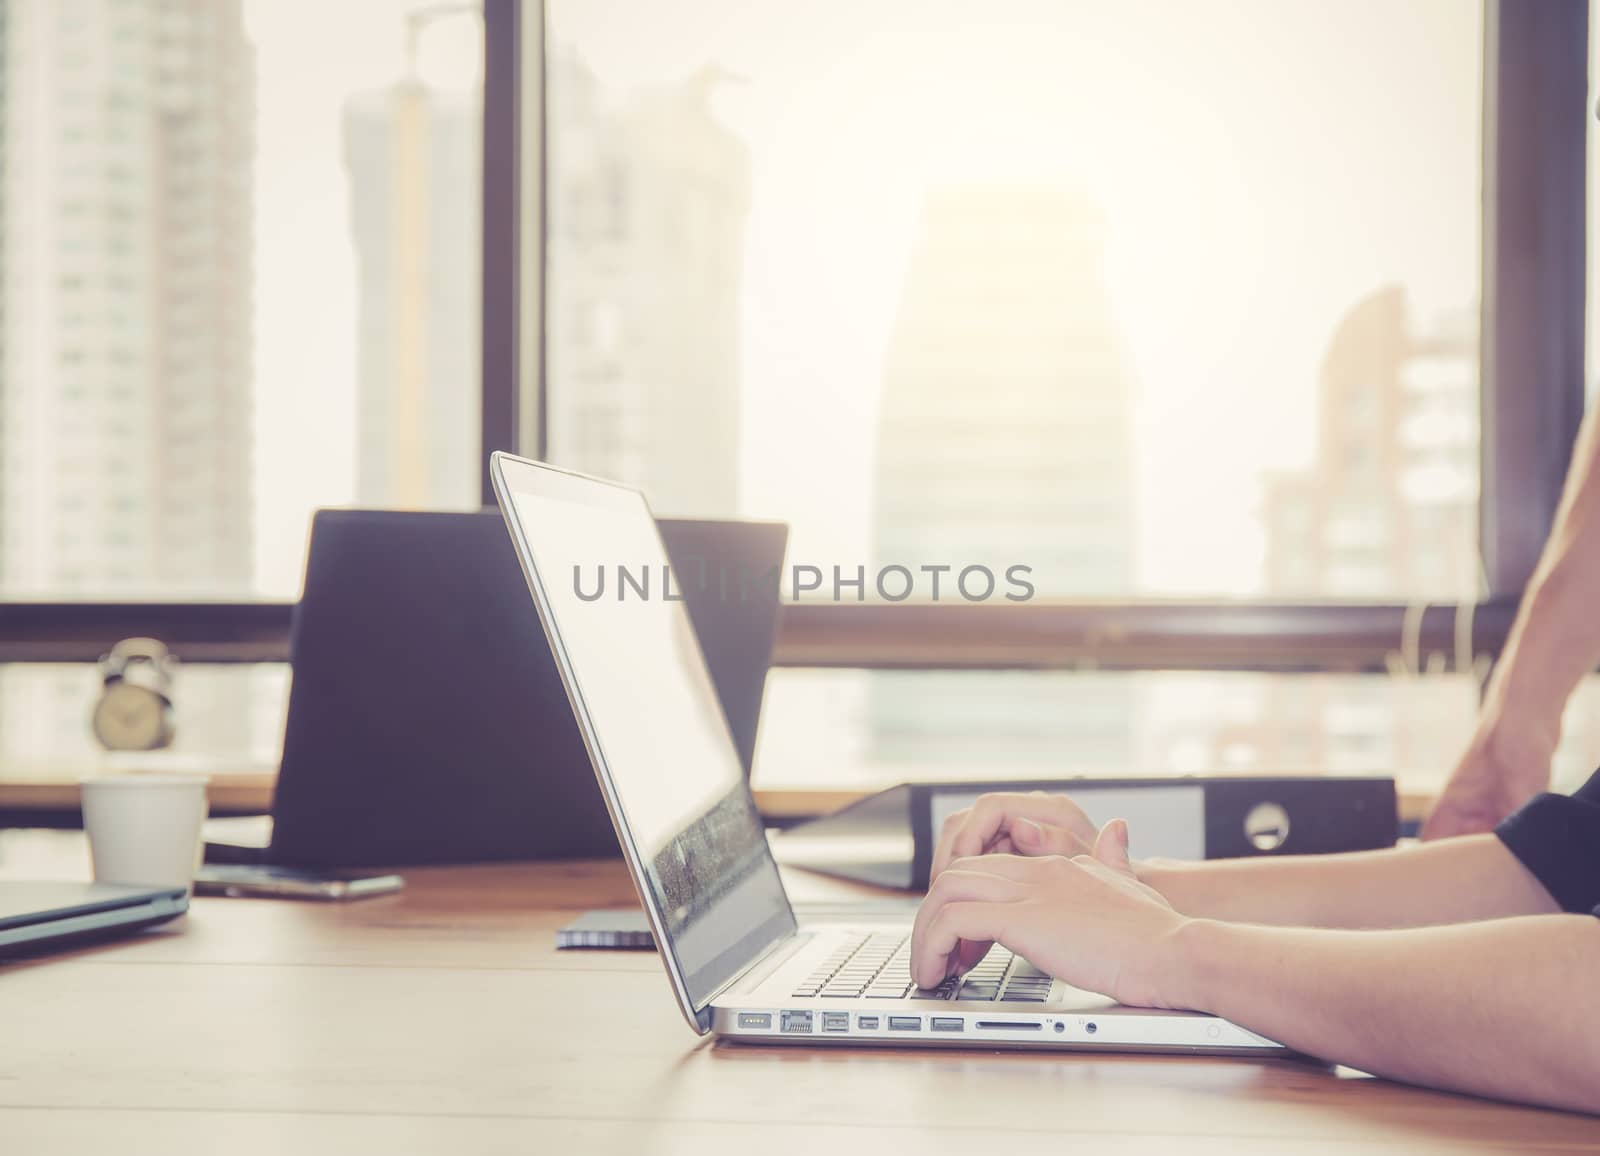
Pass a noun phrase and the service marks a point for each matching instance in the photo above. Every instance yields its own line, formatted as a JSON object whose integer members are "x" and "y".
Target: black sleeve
{"x": 1557, "y": 837}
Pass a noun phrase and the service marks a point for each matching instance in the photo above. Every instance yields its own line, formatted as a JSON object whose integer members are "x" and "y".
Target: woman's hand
{"x": 1011, "y": 823}
{"x": 1085, "y": 919}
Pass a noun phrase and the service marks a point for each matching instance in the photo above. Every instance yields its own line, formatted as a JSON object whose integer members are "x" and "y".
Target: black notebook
{"x": 625, "y": 930}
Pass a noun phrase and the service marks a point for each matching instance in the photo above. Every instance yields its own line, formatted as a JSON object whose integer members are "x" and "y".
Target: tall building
{"x": 125, "y": 281}
{"x": 413, "y": 154}
{"x": 1387, "y": 510}
{"x": 125, "y": 312}
{"x": 1005, "y": 438}
{"x": 648, "y": 201}
{"x": 1389, "y": 507}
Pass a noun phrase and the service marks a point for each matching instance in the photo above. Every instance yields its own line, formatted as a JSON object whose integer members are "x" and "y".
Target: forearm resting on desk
{"x": 1458, "y": 880}
{"x": 1506, "y": 1008}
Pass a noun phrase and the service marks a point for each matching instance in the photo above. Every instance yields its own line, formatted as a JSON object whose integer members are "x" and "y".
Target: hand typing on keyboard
{"x": 1085, "y": 919}
{"x": 1014, "y": 823}
{"x": 878, "y": 967}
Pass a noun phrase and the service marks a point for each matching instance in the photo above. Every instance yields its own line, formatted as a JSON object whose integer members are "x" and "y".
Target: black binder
{"x": 1212, "y": 818}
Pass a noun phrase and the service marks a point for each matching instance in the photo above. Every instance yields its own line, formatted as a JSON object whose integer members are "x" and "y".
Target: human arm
{"x": 1543, "y": 859}
{"x": 1457, "y": 881}
{"x": 1554, "y": 642}
{"x": 1405, "y": 887}
{"x": 1505, "y": 1008}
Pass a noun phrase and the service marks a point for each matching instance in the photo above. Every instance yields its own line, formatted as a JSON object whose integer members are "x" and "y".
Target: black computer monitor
{"x": 427, "y": 721}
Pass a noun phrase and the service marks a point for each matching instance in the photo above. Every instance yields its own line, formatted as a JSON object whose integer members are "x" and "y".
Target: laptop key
{"x": 872, "y": 967}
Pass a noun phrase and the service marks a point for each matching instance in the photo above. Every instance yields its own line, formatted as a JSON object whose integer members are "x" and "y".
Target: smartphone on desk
{"x": 257, "y": 881}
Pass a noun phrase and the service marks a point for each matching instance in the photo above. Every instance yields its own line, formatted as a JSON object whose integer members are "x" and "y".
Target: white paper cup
{"x": 144, "y": 828}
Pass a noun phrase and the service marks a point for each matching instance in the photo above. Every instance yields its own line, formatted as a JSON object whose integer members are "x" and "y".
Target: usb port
{"x": 905, "y": 1023}
{"x": 867, "y": 1023}
{"x": 797, "y": 1021}
{"x": 947, "y": 1024}
{"x": 835, "y": 1021}
{"x": 755, "y": 1020}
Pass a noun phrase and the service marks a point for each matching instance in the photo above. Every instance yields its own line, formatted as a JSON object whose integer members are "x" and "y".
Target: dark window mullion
{"x": 1535, "y": 110}
{"x": 502, "y": 196}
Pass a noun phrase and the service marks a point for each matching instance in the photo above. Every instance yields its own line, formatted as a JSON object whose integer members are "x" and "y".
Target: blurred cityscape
{"x": 1005, "y": 437}
{"x": 647, "y": 205}
{"x": 1004, "y": 434}
{"x": 413, "y": 156}
{"x": 126, "y": 282}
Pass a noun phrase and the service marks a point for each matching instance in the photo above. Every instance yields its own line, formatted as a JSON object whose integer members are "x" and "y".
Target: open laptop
{"x": 37, "y": 916}
{"x": 427, "y": 722}
{"x": 739, "y": 963}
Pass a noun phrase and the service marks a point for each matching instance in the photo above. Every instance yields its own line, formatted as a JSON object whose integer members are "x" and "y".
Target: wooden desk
{"x": 442, "y": 1020}
{"x": 45, "y": 791}
{"x": 244, "y": 790}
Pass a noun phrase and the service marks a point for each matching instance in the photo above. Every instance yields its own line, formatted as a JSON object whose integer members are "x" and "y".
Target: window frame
{"x": 1532, "y": 362}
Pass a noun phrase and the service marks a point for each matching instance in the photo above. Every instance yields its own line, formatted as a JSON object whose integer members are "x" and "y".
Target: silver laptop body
{"x": 738, "y": 963}
{"x": 35, "y": 916}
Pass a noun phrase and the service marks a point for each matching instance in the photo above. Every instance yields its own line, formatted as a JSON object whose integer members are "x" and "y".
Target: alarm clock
{"x": 134, "y": 711}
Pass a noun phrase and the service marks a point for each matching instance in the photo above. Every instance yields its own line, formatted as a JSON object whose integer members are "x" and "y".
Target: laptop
{"x": 739, "y": 963}
{"x": 36, "y": 916}
{"x": 427, "y": 722}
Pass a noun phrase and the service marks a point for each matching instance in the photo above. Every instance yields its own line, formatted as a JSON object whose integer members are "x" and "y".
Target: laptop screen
{"x": 655, "y": 728}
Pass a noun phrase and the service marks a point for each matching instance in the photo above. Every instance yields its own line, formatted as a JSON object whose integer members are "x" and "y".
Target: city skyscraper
{"x": 648, "y": 201}
{"x": 125, "y": 319}
{"x": 413, "y": 154}
{"x": 125, "y": 278}
{"x": 1387, "y": 509}
{"x": 1389, "y": 506}
{"x": 1005, "y": 438}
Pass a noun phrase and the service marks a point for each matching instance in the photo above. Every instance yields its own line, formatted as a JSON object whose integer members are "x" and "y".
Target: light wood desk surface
{"x": 442, "y": 1020}
{"x": 247, "y": 789}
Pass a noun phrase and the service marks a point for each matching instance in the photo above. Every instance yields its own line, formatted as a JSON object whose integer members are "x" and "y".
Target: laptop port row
{"x": 802, "y": 1022}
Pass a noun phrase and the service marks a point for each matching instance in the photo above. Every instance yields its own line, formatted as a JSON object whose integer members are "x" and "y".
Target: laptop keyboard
{"x": 878, "y": 966}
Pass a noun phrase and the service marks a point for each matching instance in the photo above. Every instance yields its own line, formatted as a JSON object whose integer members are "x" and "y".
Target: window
{"x": 837, "y": 730}
{"x": 270, "y": 305}
{"x": 307, "y": 223}
{"x": 850, "y": 729}
{"x": 1176, "y": 303}
{"x": 1039, "y": 282}
{"x": 1032, "y": 281}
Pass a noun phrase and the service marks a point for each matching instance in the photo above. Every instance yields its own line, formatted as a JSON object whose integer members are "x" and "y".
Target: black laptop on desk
{"x": 427, "y": 721}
